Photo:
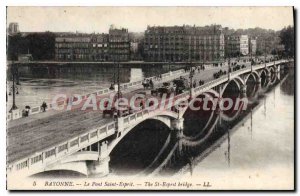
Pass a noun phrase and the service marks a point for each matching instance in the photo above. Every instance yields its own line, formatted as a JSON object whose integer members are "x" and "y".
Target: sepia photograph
{"x": 150, "y": 98}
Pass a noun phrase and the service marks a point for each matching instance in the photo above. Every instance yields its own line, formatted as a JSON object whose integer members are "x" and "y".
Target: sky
{"x": 136, "y": 19}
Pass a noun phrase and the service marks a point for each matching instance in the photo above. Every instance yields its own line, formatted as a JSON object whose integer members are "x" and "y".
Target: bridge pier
{"x": 177, "y": 127}
{"x": 258, "y": 83}
{"x": 243, "y": 90}
{"x": 277, "y": 73}
{"x": 268, "y": 77}
{"x": 99, "y": 168}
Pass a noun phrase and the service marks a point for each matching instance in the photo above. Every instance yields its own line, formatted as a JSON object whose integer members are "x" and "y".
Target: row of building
{"x": 163, "y": 44}
{"x": 184, "y": 43}
{"x": 156, "y": 44}
{"x": 114, "y": 46}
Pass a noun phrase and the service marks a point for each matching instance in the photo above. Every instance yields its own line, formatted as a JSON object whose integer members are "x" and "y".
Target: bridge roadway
{"x": 40, "y": 131}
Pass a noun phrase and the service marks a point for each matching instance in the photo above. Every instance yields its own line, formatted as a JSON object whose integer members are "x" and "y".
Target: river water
{"x": 259, "y": 153}
{"x": 38, "y": 84}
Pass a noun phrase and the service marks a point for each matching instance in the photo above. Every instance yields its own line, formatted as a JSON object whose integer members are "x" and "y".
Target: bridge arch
{"x": 264, "y": 77}
{"x": 251, "y": 82}
{"x": 199, "y": 114}
{"x": 210, "y": 94}
{"x": 139, "y": 145}
{"x": 233, "y": 97}
{"x": 237, "y": 80}
{"x": 254, "y": 74}
{"x": 273, "y": 77}
{"x": 165, "y": 119}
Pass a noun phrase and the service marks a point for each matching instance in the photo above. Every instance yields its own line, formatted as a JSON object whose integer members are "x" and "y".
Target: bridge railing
{"x": 52, "y": 153}
{"x": 198, "y": 90}
{"x": 146, "y": 113}
{"x": 208, "y": 85}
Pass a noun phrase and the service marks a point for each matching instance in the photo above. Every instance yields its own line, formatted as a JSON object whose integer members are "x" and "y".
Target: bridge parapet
{"x": 54, "y": 153}
{"x": 145, "y": 114}
{"x": 205, "y": 87}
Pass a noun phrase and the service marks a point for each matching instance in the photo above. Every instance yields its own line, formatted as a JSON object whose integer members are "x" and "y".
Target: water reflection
{"x": 267, "y": 151}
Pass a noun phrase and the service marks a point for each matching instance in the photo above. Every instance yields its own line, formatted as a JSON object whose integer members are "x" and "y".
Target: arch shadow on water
{"x": 184, "y": 156}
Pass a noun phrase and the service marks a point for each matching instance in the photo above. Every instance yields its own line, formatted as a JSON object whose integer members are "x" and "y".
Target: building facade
{"x": 13, "y": 28}
{"x": 252, "y": 46}
{"x": 114, "y": 46}
{"x": 119, "y": 44}
{"x": 73, "y": 47}
{"x": 236, "y": 45}
{"x": 184, "y": 43}
{"x": 100, "y": 47}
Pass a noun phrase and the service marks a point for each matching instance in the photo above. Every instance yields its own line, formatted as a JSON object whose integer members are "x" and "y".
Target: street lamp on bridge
{"x": 251, "y": 56}
{"x": 119, "y": 95}
{"x": 229, "y": 61}
{"x": 14, "y": 88}
{"x": 265, "y": 54}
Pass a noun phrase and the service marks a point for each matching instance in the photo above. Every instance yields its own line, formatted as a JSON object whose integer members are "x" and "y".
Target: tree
{"x": 16, "y": 44}
{"x": 287, "y": 39}
{"x": 40, "y": 45}
{"x": 259, "y": 53}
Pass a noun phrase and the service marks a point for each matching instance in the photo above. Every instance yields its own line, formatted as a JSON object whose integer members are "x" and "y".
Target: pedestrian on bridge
{"x": 151, "y": 84}
{"x": 44, "y": 106}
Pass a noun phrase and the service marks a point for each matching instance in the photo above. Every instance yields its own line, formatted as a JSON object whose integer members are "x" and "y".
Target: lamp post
{"x": 229, "y": 69}
{"x": 118, "y": 80}
{"x": 14, "y": 72}
{"x": 251, "y": 55}
{"x": 229, "y": 59}
{"x": 114, "y": 72}
{"x": 191, "y": 81}
{"x": 265, "y": 54}
{"x": 203, "y": 54}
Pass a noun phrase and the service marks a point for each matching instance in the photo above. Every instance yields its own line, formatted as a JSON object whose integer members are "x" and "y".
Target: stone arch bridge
{"x": 89, "y": 153}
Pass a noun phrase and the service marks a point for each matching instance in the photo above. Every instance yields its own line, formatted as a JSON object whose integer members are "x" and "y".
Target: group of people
{"x": 26, "y": 111}
{"x": 148, "y": 83}
{"x": 219, "y": 74}
{"x": 129, "y": 110}
{"x": 201, "y": 82}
